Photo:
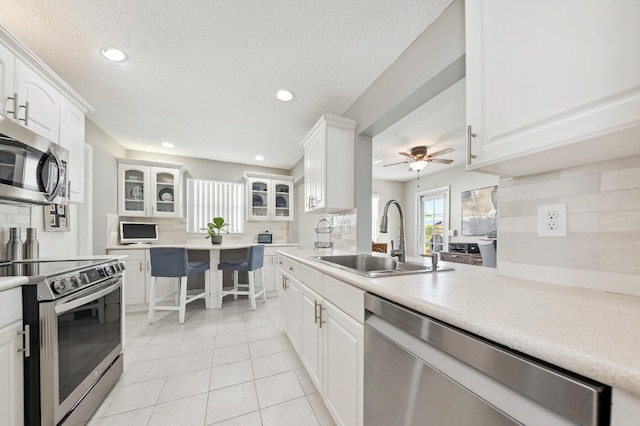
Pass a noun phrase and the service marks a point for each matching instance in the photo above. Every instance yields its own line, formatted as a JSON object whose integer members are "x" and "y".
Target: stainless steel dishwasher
{"x": 420, "y": 371}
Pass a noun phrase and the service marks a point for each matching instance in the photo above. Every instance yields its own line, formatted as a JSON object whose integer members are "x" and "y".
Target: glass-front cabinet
{"x": 269, "y": 197}
{"x": 146, "y": 190}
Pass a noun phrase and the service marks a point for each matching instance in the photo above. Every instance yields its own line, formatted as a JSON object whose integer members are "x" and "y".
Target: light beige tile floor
{"x": 225, "y": 367}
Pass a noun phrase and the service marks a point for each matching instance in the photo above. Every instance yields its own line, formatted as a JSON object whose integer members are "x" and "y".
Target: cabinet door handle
{"x": 27, "y": 343}
{"x": 26, "y": 113}
{"x": 316, "y": 311}
{"x": 16, "y": 106}
{"x": 140, "y": 264}
{"x": 470, "y": 135}
{"x": 148, "y": 265}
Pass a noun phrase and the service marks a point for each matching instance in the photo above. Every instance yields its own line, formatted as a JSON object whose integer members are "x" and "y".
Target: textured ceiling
{"x": 202, "y": 74}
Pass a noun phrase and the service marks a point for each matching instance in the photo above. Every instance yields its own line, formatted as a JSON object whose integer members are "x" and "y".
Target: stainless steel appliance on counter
{"x": 74, "y": 313}
{"x": 419, "y": 371}
{"x": 32, "y": 168}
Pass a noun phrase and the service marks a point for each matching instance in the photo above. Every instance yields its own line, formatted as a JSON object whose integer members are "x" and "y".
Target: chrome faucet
{"x": 401, "y": 254}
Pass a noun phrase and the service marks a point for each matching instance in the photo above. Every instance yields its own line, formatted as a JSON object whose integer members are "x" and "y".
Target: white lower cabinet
{"x": 625, "y": 408}
{"x": 311, "y": 335}
{"x": 343, "y": 342}
{"x": 11, "y": 382}
{"x": 325, "y": 327}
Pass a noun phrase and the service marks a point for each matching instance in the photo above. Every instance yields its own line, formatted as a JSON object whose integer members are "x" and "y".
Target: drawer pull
{"x": 27, "y": 343}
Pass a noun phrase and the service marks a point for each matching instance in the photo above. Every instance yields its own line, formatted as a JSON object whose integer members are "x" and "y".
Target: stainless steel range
{"x": 74, "y": 313}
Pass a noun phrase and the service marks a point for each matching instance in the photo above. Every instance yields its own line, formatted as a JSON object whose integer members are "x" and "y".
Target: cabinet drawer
{"x": 311, "y": 278}
{"x": 454, "y": 257}
{"x": 10, "y": 306}
{"x": 346, "y": 297}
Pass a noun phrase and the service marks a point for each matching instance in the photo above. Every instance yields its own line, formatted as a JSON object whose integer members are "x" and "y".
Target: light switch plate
{"x": 552, "y": 220}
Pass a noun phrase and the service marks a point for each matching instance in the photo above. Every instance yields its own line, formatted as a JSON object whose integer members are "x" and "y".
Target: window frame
{"x": 445, "y": 193}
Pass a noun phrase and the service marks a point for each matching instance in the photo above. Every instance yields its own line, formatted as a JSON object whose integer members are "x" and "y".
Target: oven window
{"x": 86, "y": 335}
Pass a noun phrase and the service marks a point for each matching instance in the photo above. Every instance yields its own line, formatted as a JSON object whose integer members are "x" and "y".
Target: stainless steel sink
{"x": 375, "y": 266}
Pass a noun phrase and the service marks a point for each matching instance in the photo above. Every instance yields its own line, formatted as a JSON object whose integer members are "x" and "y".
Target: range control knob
{"x": 59, "y": 286}
{"x": 109, "y": 270}
{"x": 121, "y": 266}
{"x": 73, "y": 282}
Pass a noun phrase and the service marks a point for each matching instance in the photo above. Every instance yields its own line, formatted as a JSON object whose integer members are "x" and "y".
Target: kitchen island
{"x": 138, "y": 266}
{"x": 592, "y": 333}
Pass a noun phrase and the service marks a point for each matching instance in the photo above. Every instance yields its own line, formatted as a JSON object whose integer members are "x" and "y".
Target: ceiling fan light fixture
{"x": 284, "y": 95}
{"x": 418, "y": 165}
{"x": 113, "y": 54}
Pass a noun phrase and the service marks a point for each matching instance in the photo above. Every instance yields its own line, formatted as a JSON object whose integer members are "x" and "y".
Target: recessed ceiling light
{"x": 374, "y": 161}
{"x": 113, "y": 54}
{"x": 167, "y": 145}
{"x": 258, "y": 157}
{"x": 284, "y": 95}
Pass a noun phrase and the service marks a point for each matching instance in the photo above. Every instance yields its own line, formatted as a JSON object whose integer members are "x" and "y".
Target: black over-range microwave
{"x": 32, "y": 168}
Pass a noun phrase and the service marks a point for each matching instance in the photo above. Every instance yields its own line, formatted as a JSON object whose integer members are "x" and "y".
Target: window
{"x": 207, "y": 199}
{"x": 433, "y": 220}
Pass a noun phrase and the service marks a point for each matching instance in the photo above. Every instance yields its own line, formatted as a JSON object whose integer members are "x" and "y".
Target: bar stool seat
{"x": 251, "y": 264}
{"x": 174, "y": 262}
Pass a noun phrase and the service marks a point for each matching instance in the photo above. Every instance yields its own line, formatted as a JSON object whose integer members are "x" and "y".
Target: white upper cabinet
{"x": 7, "y": 71}
{"x": 41, "y": 110}
{"x": 269, "y": 197}
{"x": 149, "y": 189}
{"x": 551, "y": 84}
{"x": 330, "y": 142}
{"x": 72, "y": 138}
{"x": 32, "y": 95}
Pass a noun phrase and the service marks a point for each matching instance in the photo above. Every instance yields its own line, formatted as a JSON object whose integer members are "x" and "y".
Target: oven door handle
{"x": 74, "y": 303}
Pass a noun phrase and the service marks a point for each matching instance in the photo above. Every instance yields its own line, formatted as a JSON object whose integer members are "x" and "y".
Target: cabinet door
{"x": 165, "y": 195}
{"x": 269, "y": 267}
{"x": 311, "y": 335}
{"x": 314, "y": 171}
{"x": 282, "y": 200}
{"x": 7, "y": 81}
{"x": 282, "y": 297}
{"x": 133, "y": 190}
{"x": 72, "y": 138}
{"x": 343, "y": 366}
{"x": 11, "y": 375}
{"x": 44, "y": 102}
{"x": 135, "y": 281}
{"x": 294, "y": 303}
{"x": 538, "y": 80}
{"x": 259, "y": 199}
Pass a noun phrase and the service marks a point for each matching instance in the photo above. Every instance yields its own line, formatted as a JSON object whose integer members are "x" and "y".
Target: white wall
{"x": 458, "y": 180}
{"x": 390, "y": 190}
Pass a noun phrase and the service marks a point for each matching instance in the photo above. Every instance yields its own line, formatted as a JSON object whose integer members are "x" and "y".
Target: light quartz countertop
{"x": 592, "y": 333}
{"x": 7, "y": 283}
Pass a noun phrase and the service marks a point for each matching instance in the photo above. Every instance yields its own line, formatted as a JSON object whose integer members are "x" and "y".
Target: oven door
{"x": 81, "y": 339}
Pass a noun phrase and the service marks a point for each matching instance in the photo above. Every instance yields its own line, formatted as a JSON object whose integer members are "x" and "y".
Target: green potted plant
{"x": 214, "y": 229}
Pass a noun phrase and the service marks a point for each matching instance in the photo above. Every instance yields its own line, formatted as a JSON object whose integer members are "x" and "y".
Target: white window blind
{"x": 207, "y": 199}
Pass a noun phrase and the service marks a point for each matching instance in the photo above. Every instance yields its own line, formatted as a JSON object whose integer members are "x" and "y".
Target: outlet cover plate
{"x": 552, "y": 220}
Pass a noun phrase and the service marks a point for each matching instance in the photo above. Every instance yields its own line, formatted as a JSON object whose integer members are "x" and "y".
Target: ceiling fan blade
{"x": 444, "y": 151}
{"x": 406, "y": 154}
{"x": 442, "y": 161}
{"x": 395, "y": 164}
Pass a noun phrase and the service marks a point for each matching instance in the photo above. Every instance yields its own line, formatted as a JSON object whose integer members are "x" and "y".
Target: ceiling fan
{"x": 419, "y": 158}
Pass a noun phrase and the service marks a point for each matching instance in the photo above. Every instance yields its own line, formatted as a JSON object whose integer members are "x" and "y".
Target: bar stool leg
{"x": 206, "y": 289}
{"x": 183, "y": 299}
{"x": 235, "y": 284}
{"x": 264, "y": 288}
{"x": 252, "y": 289}
{"x": 152, "y": 299}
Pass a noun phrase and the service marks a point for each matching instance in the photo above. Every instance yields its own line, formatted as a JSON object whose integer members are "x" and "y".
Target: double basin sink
{"x": 376, "y": 266}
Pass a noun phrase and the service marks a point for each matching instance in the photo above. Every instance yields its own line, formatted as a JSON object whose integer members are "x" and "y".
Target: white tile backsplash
{"x": 602, "y": 248}
{"x": 12, "y": 216}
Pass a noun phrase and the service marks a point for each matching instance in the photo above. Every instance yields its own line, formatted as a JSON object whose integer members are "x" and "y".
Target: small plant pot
{"x": 216, "y": 239}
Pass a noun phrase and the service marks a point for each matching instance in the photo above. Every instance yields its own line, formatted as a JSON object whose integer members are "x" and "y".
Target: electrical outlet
{"x": 552, "y": 220}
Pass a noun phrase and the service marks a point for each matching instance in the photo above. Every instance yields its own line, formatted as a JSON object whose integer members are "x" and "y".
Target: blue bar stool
{"x": 250, "y": 265}
{"x": 174, "y": 262}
